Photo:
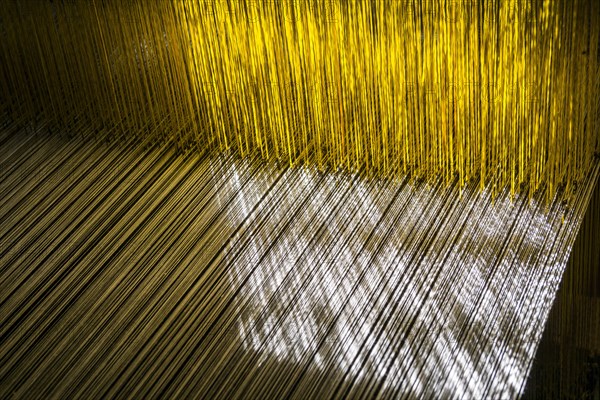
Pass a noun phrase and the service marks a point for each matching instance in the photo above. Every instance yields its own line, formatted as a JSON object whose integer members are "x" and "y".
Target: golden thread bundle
{"x": 506, "y": 92}
{"x": 134, "y": 272}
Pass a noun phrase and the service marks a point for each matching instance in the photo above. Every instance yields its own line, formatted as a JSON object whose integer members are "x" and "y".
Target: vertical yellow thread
{"x": 503, "y": 91}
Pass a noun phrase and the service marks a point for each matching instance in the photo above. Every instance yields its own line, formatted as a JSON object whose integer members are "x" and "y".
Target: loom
{"x": 305, "y": 199}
